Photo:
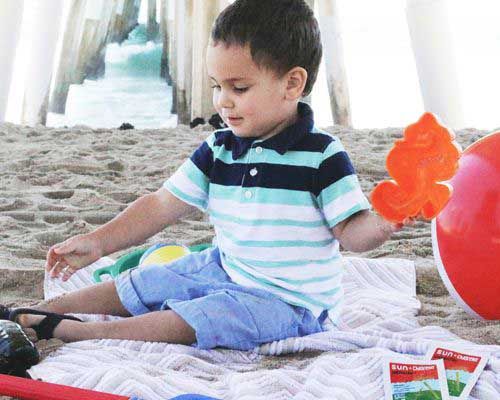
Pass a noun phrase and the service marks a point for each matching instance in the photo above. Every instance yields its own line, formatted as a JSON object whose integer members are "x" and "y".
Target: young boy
{"x": 281, "y": 195}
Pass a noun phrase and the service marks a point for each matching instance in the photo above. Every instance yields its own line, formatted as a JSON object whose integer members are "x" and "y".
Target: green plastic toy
{"x": 131, "y": 260}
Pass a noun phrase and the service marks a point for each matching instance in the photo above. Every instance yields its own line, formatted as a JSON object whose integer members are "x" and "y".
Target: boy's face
{"x": 250, "y": 100}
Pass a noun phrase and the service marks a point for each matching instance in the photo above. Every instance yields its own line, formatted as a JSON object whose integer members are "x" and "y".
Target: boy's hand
{"x": 71, "y": 255}
{"x": 365, "y": 231}
{"x": 410, "y": 221}
{"x": 393, "y": 227}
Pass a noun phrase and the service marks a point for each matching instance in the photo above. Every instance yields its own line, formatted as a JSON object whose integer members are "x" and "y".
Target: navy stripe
{"x": 333, "y": 169}
{"x": 271, "y": 176}
{"x": 274, "y": 176}
{"x": 203, "y": 158}
{"x": 313, "y": 142}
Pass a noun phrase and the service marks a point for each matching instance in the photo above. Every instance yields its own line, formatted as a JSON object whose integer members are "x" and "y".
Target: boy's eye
{"x": 241, "y": 89}
{"x": 215, "y": 87}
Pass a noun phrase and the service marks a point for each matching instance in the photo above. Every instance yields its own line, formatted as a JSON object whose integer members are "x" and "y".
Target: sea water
{"x": 130, "y": 91}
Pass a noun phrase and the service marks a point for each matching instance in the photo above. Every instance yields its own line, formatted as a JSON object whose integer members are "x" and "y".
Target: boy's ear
{"x": 296, "y": 80}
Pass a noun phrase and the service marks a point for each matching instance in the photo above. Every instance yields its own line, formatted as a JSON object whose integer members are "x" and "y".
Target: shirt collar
{"x": 282, "y": 141}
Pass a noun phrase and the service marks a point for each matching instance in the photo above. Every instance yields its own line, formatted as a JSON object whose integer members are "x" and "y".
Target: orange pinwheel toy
{"x": 419, "y": 163}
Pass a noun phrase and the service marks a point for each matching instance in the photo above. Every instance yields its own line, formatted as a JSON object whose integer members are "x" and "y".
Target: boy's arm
{"x": 142, "y": 219}
{"x": 363, "y": 231}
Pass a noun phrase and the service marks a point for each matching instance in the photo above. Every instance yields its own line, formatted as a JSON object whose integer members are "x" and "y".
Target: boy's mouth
{"x": 234, "y": 120}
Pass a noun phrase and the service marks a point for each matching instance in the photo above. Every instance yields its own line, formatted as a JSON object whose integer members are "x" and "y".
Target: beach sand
{"x": 55, "y": 183}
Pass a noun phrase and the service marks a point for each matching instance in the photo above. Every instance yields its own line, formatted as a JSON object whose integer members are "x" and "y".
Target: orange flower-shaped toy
{"x": 418, "y": 163}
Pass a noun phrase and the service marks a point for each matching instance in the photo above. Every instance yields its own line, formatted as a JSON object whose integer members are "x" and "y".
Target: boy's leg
{"x": 156, "y": 326}
{"x": 160, "y": 326}
{"x": 97, "y": 299}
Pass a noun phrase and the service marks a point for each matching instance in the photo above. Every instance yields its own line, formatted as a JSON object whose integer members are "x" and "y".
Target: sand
{"x": 55, "y": 183}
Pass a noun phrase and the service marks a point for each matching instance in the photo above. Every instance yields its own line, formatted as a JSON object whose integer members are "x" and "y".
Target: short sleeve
{"x": 338, "y": 191}
{"x": 190, "y": 183}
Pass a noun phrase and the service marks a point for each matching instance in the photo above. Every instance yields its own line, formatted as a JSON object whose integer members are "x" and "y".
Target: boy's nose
{"x": 224, "y": 100}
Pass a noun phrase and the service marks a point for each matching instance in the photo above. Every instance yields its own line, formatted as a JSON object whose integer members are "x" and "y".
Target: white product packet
{"x": 462, "y": 367}
{"x": 407, "y": 379}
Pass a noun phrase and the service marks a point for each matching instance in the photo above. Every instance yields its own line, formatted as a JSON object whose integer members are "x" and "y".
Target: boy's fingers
{"x": 67, "y": 273}
{"x": 58, "y": 267}
{"x": 399, "y": 226}
{"x": 51, "y": 259}
{"x": 410, "y": 221}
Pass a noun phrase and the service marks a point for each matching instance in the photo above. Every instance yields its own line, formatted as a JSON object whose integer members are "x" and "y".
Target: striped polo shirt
{"x": 273, "y": 204}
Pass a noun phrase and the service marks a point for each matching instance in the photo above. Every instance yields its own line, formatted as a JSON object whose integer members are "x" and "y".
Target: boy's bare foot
{"x": 29, "y": 320}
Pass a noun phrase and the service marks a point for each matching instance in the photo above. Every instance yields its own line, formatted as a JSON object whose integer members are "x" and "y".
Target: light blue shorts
{"x": 222, "y": 313}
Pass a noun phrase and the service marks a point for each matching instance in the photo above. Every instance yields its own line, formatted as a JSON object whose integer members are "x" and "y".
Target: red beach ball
{"x": 466, "y": 234}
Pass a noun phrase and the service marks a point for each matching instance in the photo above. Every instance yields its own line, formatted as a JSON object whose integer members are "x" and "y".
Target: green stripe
{"x": 285, "y": 264}
{"x": 295, "y": 158}
{"x": 330, "y": 292}
{"x": 315, "y": 129}
{"x": 186, "y": 198}
{"x": 261, "y": 195}
{"x": 210, "y": 140}
{"x": 337, "y": 189}
{"x": 277, "y": 243}
{"x": 358, "y": 207}
{"x": 310, "y": 280}
{"x": 266, "y": 222}
{"x": 195, "y": 175}
{"x": 305, "y": 299}
{"x": 333, "y": 148}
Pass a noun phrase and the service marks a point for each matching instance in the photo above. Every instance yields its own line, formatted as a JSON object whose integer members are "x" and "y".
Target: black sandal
{"x": 45, "y": 329}
{"x": 4, "y": 312}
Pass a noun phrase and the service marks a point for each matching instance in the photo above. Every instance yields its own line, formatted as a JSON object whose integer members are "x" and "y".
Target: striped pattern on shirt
{"x": 273, "y": 212}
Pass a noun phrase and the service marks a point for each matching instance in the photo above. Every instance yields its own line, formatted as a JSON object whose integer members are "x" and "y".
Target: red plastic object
{"x": 418, "y": 163}
{"x": 27, "y": 389}
{"x": 466, "y": 234}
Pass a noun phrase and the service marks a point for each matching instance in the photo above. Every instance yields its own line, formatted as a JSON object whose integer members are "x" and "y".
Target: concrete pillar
{"x": 165, "y": 37}
{"x": 11, "y": 16}
{"x": 183, "y": 16}
{"x": 66, "y": 72}
{"x": 333, "y": 54}
{"x": 94, "y": 67}
{"x": 90, "y": 39}
{"x": 118, "y": 22}
{"x": 133, "y": 17}
{"x": 172, "y": 46}
{"x": 125, "y": 19}
{"x": 188, "y": 57}
{"x": 432, "y": 45}
{"x": 152, "y": 25}
{"x": 114, "y": 10}
{"x": 40, "y": 61}
{"x": 204, "y": 15}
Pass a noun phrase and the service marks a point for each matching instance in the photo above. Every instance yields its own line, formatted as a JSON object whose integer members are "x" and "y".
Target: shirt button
{"x": 258, "y": 150}
{"x": 248, "y": 194}
{"x": 253, "y": 171}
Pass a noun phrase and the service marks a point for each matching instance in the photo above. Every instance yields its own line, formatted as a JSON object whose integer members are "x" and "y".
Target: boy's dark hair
{"x": 282, "y": 34}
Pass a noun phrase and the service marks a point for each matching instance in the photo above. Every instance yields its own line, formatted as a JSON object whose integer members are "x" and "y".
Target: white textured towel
{"x": 378, "y": 319}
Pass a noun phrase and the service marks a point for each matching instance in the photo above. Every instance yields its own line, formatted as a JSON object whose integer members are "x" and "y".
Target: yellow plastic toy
{"x": 163, "y": 254}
